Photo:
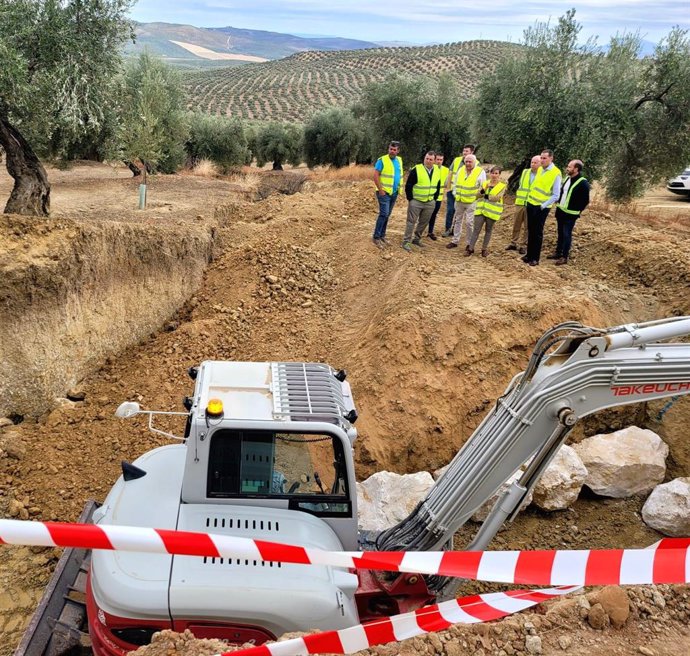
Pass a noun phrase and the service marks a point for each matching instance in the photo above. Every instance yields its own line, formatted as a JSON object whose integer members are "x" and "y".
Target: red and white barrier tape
{"x": 666, "y": 562}
{"x": 468, "y": 610}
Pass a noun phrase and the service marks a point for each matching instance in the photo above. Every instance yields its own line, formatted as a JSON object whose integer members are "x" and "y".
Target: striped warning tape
{"x": 467, "y": 610}
{"x": 667, "y": 562}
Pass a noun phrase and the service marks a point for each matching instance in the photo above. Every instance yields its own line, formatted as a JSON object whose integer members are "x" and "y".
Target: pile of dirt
{"x": 651, "y": 621}
{"x": 430, "y": 339}
{"x": 169, "y": 643}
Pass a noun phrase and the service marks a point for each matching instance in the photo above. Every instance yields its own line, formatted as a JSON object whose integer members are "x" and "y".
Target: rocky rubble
{"x": 12, "y": 444}
{"x": 624, "y": 463}
{"x": 583, "y": 623}
{"x": 292, "y": 275}
{"x": 170, "y": 643}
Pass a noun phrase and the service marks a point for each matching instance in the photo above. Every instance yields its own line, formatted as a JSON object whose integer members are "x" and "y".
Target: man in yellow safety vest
{"x": 545, "y": 191}
{"x": 422, "y": 189}
{"x": 444, "y": 176}
{"x": 388, "y": 174}
{"x": 449, "y": 189}
{"x": 519, "y": 237}
{"x": 468, "y": 181}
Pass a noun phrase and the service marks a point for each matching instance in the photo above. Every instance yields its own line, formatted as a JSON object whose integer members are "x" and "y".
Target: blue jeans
{"x": 386, "y": 204}
{"x": 450, "y": 210}
{"x": 565, "y": 235}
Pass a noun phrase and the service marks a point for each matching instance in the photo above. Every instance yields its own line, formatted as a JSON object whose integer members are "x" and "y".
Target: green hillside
{"x": 291, "y": 89}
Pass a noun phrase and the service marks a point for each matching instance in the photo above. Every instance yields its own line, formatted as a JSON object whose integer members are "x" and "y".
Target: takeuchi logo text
{"x": 650, "y": 388}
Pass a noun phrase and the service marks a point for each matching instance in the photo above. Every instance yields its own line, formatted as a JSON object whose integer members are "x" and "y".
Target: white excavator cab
{"x": 267, "y": 454}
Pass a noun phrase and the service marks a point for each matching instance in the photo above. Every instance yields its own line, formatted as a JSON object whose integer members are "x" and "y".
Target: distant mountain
{"x": 400, "y": 44}
{"x": 188, "y": 46}
{"x": 647, "y": 48}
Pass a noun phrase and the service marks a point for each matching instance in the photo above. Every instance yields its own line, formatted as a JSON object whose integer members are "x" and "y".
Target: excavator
{"x": 267, "y": 453}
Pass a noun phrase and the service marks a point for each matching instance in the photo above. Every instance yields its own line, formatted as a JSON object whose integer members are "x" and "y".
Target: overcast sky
{"x": 437, "y": 21}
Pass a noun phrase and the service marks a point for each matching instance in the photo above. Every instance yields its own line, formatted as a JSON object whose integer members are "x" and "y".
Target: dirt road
{"x": 664, "y": 202}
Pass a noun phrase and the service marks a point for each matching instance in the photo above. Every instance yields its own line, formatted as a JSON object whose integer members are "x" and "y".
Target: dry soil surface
{"x": 430, "y": 339}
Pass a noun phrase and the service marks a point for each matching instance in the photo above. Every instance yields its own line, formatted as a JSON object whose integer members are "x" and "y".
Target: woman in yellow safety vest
{"x": 489, "y": 210}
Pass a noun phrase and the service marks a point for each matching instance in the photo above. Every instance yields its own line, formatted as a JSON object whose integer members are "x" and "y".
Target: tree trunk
{"x": 277, "y": 165}
{"x": 514, "y": 179}
{"x": 133, "y": 168}
{"x": 31, "y": 193}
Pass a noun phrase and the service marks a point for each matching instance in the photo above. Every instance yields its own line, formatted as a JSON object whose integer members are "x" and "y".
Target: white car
{"x": 680, "y": 184}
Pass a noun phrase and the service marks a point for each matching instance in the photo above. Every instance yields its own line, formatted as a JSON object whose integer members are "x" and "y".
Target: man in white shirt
{"x": 545, "y": 191}
{"x": 468, "y": 181}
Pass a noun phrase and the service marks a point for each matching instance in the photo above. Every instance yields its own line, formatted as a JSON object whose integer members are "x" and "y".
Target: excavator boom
{"x": 574, "y": 371}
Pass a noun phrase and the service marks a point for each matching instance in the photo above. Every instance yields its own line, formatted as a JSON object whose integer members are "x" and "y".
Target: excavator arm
{"x": 573, "y": 371}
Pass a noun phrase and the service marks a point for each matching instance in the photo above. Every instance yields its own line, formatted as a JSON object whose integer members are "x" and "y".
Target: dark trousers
{"x": 450, "y": 210}
{"x": 432, "y": 220}
{"x": 536, "y": 218}
{"x": 565, "y": 235}
{"x": 386, "y": 204}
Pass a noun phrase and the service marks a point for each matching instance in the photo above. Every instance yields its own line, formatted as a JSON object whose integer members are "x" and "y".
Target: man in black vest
{"x": 574, "y": 199}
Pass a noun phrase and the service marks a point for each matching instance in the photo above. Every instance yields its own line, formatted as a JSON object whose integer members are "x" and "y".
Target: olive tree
{"x": 279, "y": 143}
{"x": 422, "y": 113}
{"x": 332, "y": 136}
{"x": 218, "y": 138}
{"x": 649, "y": 140}
{"x": 626, "y": 117}
{"x": 532, "y": 101}
{"x": 59, "y": 59}
{"x": 154, "y": 127}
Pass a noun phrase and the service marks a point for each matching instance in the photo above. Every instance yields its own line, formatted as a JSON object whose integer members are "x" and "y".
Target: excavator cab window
{"x": 298, "y": 466}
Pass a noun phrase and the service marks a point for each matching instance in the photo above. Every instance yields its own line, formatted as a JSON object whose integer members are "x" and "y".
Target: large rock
{"x": 667, "y": 509}
{"x": 440, "y": 472}
{"x": 483, "y": 511}
{"x": 625, "y": 463}
{"x": 12, "y": 444}
{"x": 616, "y": 603}
{"x": 561, "y": 482}
{"x": 385, "y": 498}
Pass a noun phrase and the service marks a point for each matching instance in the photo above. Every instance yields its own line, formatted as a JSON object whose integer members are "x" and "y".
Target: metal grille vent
{"x": 243, "y": 524}
{"x": 304, "y": 391}
{"x": 236, "y": 524}
{"x": 210, "y": 560}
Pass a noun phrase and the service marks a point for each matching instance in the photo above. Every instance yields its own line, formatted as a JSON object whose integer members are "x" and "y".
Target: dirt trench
{"x": 430, "y": 339}
{"x": 73, "y": 294}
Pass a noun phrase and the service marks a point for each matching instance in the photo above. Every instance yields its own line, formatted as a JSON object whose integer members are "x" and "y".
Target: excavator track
{"x": 59, "y": 626}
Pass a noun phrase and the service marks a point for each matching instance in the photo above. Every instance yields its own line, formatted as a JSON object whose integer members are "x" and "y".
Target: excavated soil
{"x": 430, "y": 340}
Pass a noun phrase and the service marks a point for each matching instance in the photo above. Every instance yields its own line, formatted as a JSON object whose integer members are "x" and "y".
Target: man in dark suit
{"x": 573, "y": 201}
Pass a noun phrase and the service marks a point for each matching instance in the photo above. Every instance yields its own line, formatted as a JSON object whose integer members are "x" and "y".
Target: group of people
{"x": 475, "y": 202}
